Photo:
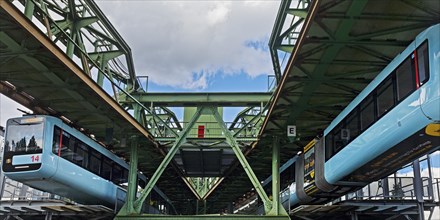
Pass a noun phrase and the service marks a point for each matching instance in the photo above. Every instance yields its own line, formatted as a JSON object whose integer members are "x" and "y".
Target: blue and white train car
{"x": 392, "y": 122}
{"x": 81, "y": 169}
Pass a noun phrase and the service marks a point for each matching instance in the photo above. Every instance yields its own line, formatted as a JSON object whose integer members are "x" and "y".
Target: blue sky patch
{"x": 261, "y": 45}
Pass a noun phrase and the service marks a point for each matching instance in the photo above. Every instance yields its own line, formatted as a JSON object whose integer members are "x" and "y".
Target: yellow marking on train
{"x": 433, "y": 129}
{"x": 309, "y": 145}
{"x": 31, "y": 120}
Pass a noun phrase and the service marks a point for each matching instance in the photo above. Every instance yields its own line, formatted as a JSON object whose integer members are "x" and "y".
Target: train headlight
{"x": 8, "y": 160}
{"x": 433, "y": 129}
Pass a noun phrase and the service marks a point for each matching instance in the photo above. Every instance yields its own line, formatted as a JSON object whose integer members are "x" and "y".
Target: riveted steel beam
{"x": 244, "y": 163}
{"x": 198, "y": 99}
{"x": 152, "y": 182}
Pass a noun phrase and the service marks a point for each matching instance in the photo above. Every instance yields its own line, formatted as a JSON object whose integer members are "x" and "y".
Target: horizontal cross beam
{"x": 221, "y": 99}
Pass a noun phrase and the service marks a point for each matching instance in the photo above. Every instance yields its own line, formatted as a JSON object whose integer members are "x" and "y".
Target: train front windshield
{"x": 24, "y": 137}
{"x": 23, "y": 144}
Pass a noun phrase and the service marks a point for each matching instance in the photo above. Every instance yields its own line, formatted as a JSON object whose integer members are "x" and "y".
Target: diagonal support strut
{"x": 247, "y": 168}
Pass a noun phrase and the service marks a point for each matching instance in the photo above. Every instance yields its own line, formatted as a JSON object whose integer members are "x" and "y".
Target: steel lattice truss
{"x": 334, "y": 49}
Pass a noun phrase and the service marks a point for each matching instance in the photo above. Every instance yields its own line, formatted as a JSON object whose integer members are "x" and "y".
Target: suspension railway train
{"x": 392, "y": 122}
{"x": 81, "y": 169}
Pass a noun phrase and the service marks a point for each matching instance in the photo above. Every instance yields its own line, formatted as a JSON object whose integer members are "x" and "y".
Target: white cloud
{"x": 424, "y": 173}
{"x": 185, "y": 43}
{"x": 8, "y": 109}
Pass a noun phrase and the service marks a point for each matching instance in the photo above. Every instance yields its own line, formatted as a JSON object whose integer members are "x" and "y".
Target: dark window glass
{"x": 56, "y": 140}
{"x": 385, "y": 97}
{"x": 353, "y": 125}
{"x": 117, "y": 174}
{"x": 329, "y": 146}
{"x": 82, "y": 155}
{"x": 405, "y": 79}
{"x": 125, "y": 176}
{"x": 141, "y": 183}
{"x": 423, "y": 63}
{"x": 106, "y": 169}
{"x": 67, "y": 146}
{"x": 367, "y": 113}
{"x": 95, "y": 161}
{"x": 338, "y": 143}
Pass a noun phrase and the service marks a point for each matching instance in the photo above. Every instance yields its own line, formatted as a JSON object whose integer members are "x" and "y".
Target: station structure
{"x": 65, "y": 58}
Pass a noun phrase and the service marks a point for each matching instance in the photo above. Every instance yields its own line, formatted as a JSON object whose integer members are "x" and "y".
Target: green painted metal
{"x": 248, "y": 122}
{"x": 29, "y": 9}
{"x": 277, "y": 207}
{"x": 248, "y": 169}
{"x": 236, "y": 99}
{"x": 132, "y": 178}
{"x": 283, "y": 39}
{"x": 203, "y": 217}
{"x": 205, "y": 122}
{"x": 79, "y": 17}
{"x": 342, "y": 33}
{"x": 152, "y": 182}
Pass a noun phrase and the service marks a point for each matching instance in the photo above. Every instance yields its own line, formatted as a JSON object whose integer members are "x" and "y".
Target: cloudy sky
{"x": 192, "y": 45}
{"x": 197, "y": 45}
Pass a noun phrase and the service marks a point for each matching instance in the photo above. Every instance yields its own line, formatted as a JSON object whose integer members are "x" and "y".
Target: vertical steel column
{"x": 132, "y": 176}
{"x": 277, "y": 208}
{"x": 240, "y": 156}
{"x": 385, "y": 188}
{"x": 179, "y": 141}
{"x": 430, "y": 183}
{"x": 418, "y": 188}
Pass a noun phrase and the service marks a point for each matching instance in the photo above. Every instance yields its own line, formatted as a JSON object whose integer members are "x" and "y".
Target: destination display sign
{"x": 26, "y": 159}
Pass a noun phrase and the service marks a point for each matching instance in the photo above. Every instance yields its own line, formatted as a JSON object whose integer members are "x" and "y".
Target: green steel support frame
{"x": 277, "y": 208}
{"x": 181, "y": 139}
{"x": 132, "y": 186}
{"x": 247, "y": 168}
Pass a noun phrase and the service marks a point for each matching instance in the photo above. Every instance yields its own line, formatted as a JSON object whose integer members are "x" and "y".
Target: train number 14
{"x": 35, "y": 158}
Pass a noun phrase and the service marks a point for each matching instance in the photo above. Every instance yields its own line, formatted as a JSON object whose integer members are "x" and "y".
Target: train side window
{"x": 56, "y": 140}
{"x": 423, "y": 63}
{"x": 81, "y": 156}
{"x": 95, "y": 161}
{"x": 117, "y": 174}
{"x": 106, "y": 169}
{"x": 353, "y": 125}
{"x": 125, "y": 176}
{"x": 338, "y": 142}
{"x": 367, "y": 113}
{"x": 385, "y": 97}
{"x": 329, "y": 146}
{"x": 404, "y": 76}
{"x": 67, "y": 147}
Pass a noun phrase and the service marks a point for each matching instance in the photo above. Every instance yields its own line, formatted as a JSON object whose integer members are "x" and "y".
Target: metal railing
{"x": 399, "y": 188}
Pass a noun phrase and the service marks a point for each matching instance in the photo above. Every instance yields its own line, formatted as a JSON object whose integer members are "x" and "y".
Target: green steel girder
{"x": 277, "y": 207}
{"x": 248, "y": 122}
{"x": 84, "y": 30}
{"x": 283, "y": 39}
{"x": 244, "y": 163}
{"x": 202, "y": 217}
{"x": 137, "y": 204}
{"x": 342, "y": 33}
{"x": 226, "y": 99}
